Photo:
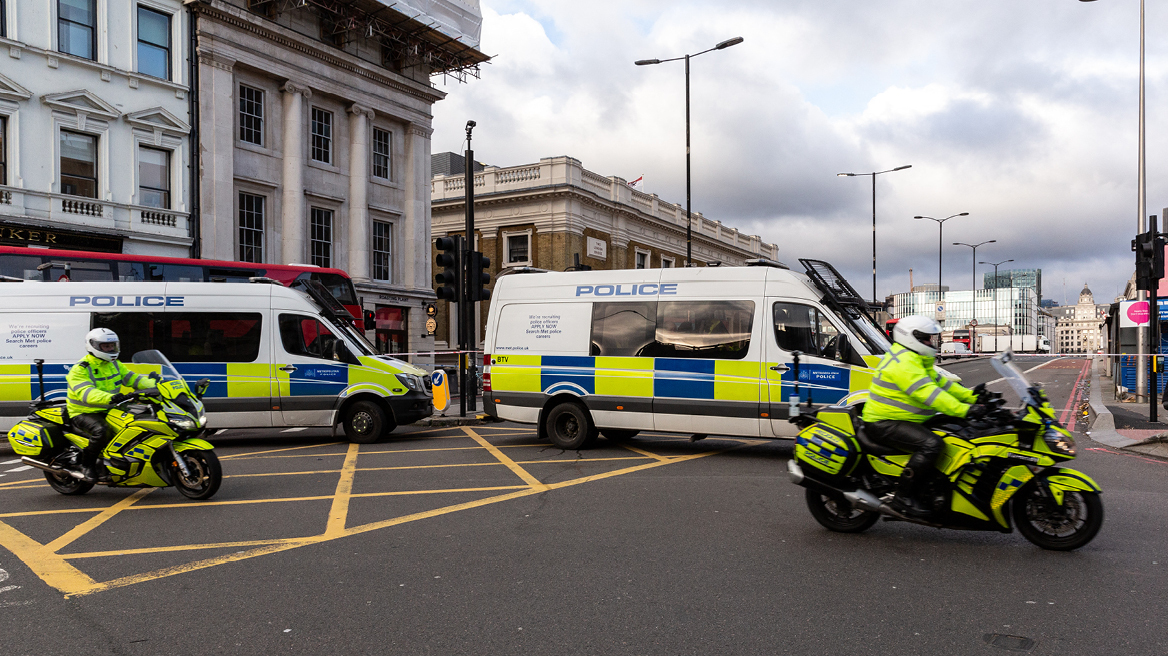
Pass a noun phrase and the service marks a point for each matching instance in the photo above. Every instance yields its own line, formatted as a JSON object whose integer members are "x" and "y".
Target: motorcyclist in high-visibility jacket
{"x": 93, "y": 391}
{"x": 905, "y": 392}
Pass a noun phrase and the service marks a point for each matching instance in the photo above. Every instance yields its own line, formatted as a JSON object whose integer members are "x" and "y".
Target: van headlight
{"x": 411, "y": 381}
{"x": 1058, "y": 441}
{"x": 183, "y": 423}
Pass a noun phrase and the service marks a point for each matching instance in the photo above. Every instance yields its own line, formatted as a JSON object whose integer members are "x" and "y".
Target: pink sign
{"x": 1138, "y": 312}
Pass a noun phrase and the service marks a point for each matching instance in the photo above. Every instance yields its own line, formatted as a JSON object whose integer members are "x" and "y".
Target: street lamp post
{"x": 973, "y": 286}
{"x": 1141, "y": 215}
{"x": 688, "y": 203}
{"x": 995, "y": 265}
{"x": 873, "y": 174}
{"x": 940, "y": 239}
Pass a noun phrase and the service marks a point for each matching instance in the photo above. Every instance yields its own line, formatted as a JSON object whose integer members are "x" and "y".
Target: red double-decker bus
{"x": 961, "y": 336}
{"x": 85, "y": 266}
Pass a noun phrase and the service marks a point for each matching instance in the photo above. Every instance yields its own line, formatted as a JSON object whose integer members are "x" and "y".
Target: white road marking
{"x": 293, "y": 430}
{"x": 19, "y": 469}
{"x": 221, "y": 431}
{"x": 10, "y": 462}
{"x": 998, "y": 380}
{"x": 9, "y": 587}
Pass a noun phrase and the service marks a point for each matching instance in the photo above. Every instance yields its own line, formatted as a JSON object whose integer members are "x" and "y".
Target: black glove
{"x": 118, "y": 398}
{"x": 154, "y": 376}
{"x": 979, "y": 389}
{"x": 976, "y": 411}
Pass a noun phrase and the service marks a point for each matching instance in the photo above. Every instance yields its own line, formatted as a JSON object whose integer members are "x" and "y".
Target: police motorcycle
{"x": 993, "y": 474}
{"x": 156, "y": 439}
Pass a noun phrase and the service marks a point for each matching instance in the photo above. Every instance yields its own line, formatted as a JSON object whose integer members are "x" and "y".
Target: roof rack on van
{"x": 321, "y": 295}
{"x": 507, "y": 272}
{"x": 835, "y": 288}
{"x": 265, "y": 281}
{"x": 762, "y": 261}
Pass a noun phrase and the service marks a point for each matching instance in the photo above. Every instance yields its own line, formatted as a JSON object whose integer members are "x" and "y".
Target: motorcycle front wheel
{"x": 1058, "y": 528}
{"x": 205, "y": 474}
{"x": 835, "y": 513}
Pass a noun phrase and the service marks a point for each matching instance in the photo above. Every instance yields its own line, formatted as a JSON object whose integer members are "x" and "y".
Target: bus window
{"x": 339, "y": 286}
{"x": 230, "y": 275}
{"x": 623, "y": 329}
{"x": 83, "y": 271}
{"x": 132, "y": 272}
{"x": 176, "y": 272}
{"x": 703, "y": 329}
{"x": 21, "y": 266}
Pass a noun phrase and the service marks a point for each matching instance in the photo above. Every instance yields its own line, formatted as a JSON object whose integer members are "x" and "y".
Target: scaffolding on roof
{"x": 406, "y": 41}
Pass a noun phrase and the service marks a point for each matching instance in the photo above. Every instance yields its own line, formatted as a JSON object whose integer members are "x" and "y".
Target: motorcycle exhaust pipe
{"x": 795, "y": 472}
{"x": 865, "y": 500}
{"x": 49, "y": 468}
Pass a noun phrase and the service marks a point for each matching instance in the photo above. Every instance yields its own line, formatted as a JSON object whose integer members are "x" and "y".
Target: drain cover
{"x": 1009, "y": 642}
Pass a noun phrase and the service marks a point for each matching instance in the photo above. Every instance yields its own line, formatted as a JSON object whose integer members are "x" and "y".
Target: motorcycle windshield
{"x": 1005, "y": 365}
{"x": 156, "y": 357}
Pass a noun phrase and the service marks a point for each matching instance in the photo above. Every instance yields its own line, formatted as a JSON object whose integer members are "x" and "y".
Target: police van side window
{"x": 306, "y": 336}
{"x": 623, "y": 329}
{"x": 703, "y": 329}
{"x": 187, "y": 336}
{"x": 805, "y": 329}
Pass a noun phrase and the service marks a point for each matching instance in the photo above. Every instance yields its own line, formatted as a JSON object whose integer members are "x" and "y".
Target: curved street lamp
{"x": 995, "y": 265}
{"x": 873, "y": 174}
{"x": 940, "y": 239}
{"x": 688, "y": 204}
{"x": 973, "y": 287}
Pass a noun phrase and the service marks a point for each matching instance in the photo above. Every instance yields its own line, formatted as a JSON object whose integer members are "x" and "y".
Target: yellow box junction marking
{"x": 55, "y": 570}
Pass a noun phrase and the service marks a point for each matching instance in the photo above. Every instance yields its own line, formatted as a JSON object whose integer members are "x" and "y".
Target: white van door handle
{"x": 780, "y": 368}
{"x": 288, "y": 368}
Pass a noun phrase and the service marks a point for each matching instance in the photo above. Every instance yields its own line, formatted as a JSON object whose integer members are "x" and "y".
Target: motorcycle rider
{"x": 93, "y": 391}
{"x": 905, "y": 392}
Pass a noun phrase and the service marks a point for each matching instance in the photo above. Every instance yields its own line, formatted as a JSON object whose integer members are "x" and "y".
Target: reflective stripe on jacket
{"x": 93, "y": 382}
{"x": 907, "y": 387}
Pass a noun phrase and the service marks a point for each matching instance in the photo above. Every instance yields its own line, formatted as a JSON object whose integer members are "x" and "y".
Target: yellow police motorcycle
{"x": 992, "y": 474}
{"x": 156, "y": 442}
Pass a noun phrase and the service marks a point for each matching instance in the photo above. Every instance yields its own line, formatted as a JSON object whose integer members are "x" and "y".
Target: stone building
{"x": 1079, "y": 327}
{"x": 94, "y": 125}
{"x": 315, "y": 123}
{"x": 546, "y": 214}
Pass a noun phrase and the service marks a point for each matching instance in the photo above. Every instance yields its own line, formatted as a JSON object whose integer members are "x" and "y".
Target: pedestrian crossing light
{"x": 450, "y": 278}
{"x": 479, "y": 278}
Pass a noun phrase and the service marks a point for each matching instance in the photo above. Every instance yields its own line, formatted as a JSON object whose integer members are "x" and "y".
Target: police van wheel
{"x": 569, "y": 427}
{"x": 618, "y": 434}
{"x": 365, "y": 422}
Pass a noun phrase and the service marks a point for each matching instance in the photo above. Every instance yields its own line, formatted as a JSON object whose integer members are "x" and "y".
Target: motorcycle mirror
{"x": 201, "y": 387}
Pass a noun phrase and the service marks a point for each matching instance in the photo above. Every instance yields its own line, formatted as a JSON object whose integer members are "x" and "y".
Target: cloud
{"x": 1022, "y": 115}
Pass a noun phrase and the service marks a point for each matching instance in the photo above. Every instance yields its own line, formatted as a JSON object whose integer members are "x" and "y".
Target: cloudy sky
{"x": 1023, "y": 114}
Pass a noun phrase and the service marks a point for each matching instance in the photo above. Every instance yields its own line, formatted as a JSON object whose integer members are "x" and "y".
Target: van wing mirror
{"x": 202, "y": 386}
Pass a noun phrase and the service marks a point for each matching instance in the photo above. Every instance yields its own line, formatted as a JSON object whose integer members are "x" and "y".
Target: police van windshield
{"x": 866, "y": 331}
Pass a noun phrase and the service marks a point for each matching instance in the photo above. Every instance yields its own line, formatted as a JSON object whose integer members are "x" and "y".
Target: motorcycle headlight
{"x": 183, "y": 423}
{"x": 1058, "y": 441}
{"x": 202, "y": 419}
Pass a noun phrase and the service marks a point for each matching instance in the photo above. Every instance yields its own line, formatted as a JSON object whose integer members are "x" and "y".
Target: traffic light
{"x": 479, "y": 278}
{"x": 450, "y": 259}
{"x": 1149, "y": 248}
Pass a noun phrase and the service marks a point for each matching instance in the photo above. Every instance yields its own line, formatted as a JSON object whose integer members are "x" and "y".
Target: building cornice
{"x": 243, "y": 20}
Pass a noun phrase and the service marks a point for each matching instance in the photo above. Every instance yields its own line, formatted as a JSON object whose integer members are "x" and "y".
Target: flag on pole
{"x": 637, "y": 183}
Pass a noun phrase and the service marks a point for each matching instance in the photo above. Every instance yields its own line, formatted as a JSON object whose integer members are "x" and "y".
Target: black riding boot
{"x": 908, "y": 492}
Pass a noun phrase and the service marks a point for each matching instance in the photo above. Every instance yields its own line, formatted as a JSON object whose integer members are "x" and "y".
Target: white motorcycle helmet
{"x": 103, "y": 343}
{"x": 918, "y": 333}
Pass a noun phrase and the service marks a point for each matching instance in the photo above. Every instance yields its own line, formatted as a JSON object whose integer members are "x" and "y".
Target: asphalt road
{"x": 485, "y": 541}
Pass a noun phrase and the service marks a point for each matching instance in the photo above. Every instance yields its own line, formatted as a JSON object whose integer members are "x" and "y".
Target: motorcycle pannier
{"x": 29, "y": 438}
{"x": 829, "y": 447}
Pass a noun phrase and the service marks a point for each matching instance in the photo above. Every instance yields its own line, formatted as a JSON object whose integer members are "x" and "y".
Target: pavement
{"x": 1124, "y": 425}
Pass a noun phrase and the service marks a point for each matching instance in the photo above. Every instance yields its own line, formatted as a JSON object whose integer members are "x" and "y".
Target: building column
{"x": 217, "y": 159}
{"x": 359, "y": 117}
{"x": 293, "y": 218}
{"x": 415, "y": 225}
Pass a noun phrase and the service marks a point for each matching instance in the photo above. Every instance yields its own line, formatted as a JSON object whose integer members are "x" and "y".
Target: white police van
{"x": 274, "y": 356}
{"x": 705, "y": 350}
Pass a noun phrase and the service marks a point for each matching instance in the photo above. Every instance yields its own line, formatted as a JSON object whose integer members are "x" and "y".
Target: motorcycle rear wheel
{"x": 66, "y": 484}
{"x": 836, "y": 514}
{"x": 1058, "y": 528}
{"x": 206, "y": 475}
